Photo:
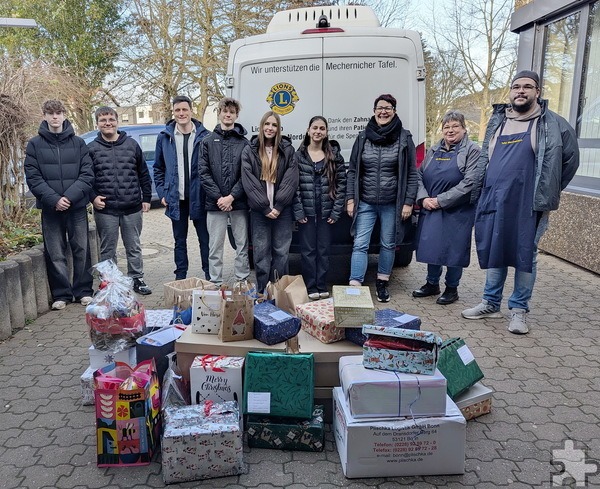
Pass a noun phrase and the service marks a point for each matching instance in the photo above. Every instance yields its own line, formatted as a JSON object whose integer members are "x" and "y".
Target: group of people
{"x": 505, "y": 191}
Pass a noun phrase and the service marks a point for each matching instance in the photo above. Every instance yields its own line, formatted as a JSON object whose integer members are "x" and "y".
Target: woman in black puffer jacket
{"x": 319, "y": 202}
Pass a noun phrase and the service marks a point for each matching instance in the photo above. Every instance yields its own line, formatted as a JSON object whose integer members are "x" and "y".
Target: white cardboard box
{"x": 383, "y": 393}
{"x": 400, "y": 446}
{"x": 217, "y": 378}
{"x": 102, "y": 358}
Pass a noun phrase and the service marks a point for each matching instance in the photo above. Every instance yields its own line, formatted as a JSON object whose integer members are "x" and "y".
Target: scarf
{"x": 383, "y": 135}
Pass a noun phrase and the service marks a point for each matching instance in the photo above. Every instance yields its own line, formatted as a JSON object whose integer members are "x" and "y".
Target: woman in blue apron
{"x": 446, "y": 178}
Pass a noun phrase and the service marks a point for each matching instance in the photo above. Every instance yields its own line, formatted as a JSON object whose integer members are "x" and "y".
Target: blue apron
{"x": 505, "y": 223}
{"x": 444, "y": 235}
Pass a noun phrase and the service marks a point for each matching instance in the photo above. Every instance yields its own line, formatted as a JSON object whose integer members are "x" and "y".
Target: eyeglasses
{"x": 516, "y": 88}
{"x": 107, "y": 121}
{"x": 454, "y": 127}
{"x": 384, "y": 109}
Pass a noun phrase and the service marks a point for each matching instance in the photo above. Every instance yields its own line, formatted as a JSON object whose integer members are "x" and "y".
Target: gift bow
{"x": 208, "y": 361}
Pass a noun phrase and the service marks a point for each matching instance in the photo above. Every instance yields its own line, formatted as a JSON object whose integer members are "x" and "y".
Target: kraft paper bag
{"x": 179, "y": 292}
{"x": 237, "y": 316}
{"x": 288, "y": 292}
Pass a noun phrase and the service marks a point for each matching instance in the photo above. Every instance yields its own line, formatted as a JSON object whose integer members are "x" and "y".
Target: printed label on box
{"x": 280, "y": 315}
{"x": 465, "y": 354}
{"x": 352, "y": 291}
{"x": 259, "y": 402}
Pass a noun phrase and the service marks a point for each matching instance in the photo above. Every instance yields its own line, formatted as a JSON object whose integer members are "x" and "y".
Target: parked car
{"x": 145, "y": 135}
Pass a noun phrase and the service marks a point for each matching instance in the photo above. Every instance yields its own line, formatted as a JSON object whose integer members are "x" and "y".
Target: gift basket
{"x": 115, "y": 316}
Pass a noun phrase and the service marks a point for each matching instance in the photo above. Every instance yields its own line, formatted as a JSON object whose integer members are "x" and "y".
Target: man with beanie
{"x": 528, "y": 156}
{"x": 122, "y": 191}
{"x": 59, "y": 174}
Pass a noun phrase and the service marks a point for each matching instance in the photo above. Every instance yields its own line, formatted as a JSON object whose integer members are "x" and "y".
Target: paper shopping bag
{"x": 237, "y": 317}
{"x": 179, "y": 292}
{"x": 206, "y": 311}
{"x": 288, "y": 292}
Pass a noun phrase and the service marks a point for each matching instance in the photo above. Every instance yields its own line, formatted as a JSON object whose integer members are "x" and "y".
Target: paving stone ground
{"x": 546, "y": 387}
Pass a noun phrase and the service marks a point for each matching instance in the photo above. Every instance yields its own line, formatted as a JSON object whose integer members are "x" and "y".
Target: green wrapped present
{"x": 458, "y": 365}
{"x": 279, "y": 384}
{"x": 287, "y": 433}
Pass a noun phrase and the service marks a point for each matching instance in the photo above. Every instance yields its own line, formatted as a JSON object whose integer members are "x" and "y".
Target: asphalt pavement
{"x": 546, "y": 388}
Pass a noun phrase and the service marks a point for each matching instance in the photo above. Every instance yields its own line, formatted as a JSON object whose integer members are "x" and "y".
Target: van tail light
{"x": 420, "y": 154}
{"x": 326, "y": 30}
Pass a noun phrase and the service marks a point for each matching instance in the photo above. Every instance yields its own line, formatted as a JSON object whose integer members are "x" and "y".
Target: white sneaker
{"x": 85, "y": 300}
{"x": 314, "y": 296}
{"x": 480, "y": 311}
{"x": 323, "y": 295}
{"x": 518, "y": 321}
{"x": 58, "y": 305}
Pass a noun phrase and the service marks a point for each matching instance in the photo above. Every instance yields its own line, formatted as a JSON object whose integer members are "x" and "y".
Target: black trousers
{"x": 315, "y": 244}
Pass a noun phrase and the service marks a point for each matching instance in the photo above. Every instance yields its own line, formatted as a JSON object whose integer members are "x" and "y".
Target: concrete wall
{"x": 574, "y": 231}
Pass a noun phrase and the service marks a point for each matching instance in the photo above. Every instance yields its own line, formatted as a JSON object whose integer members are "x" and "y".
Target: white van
{"x": 330, "y": 61}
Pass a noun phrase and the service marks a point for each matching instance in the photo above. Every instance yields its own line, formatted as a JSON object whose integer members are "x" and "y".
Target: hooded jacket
{"x": 58, "y": 165}
{"x": 306, "y": 198}
{"x": 220, "y": 166}
{"x": 556, "y": 158}
{"x": 121, "y": 173}
{"x": 286, "y": 182}
{"x": 166, "y": 173}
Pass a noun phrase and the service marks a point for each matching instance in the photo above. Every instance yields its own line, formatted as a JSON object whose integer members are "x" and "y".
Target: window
{"x": 148, "y": 145}
{"x": 140, "y": 114}
{"x": 124, "y": 117}
{"x": 559, "y": 63}
{"x": 588, "y": 114}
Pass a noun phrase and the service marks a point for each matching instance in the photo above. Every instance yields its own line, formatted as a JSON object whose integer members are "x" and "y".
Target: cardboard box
{"x": 273, "y": 325}
{"x": 197, "y": 444}
{"x": 87, "y": 387}
{"x": 476, "y": 402}
{"x": 399, "y": 447}
{"x": 318, "y": 320}
{"x": 352, "y": 306}
{"x": 382, "y": 393}
{"x": 385, "y": 317}
{"x": 158, "y": 345}
{"x": 279, "y": 384}
{"x": 216, "y": 378}
{"x": 190, "y": 345}
{"x": 102, "y": 358}
{"x": 287, "y": 433}
{"x": 391, "y": 356}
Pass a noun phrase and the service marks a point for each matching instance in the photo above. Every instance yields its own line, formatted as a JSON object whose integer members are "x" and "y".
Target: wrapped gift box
{"x": 279, "y": 384}
{"x": 287, "y": 433}
{"x": 399, "y": 447}
{"x": 87, "y": 387}
{"x": 102, "y": 358}
{"x": 385, "y": 317}
{"x": 458, "y": 365}
{"x": 352, "y": 306}
{"x": 382, "y": 393}
{"x": 273, "y": 325}
{"x": 475, "y": 402}
{"x": 216, "y": 378}
{"x": 201, "y": 442}
{"x": 158, "y": 318}
{"x": 401, "y": 350}
{"x": 318, "y": 320}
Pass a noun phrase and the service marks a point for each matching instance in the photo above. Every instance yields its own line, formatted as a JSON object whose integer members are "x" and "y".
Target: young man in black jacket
{"x": 122, "y": 191}
{"x": 59, "y": 174}
{"x": 220, "y": 167}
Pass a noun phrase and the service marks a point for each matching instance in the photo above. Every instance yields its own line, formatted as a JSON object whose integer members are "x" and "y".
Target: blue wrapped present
{"x": 273, "y": 325}
{"x": 388, "y": 318}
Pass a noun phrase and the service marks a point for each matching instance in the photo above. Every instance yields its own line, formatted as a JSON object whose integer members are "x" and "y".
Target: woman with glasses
{"x": 270, "y": 180}
{"x": 382, "y": 185}
{"x": 446, "y": 179}
{"x": 319, "y": 202}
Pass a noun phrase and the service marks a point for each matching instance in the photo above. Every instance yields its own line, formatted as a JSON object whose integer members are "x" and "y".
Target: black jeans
{"x": 315, "y": 241}
{"x": 180, "y": 233}
{"x": 60, "y": 228}
{"x": 271, "y": 239}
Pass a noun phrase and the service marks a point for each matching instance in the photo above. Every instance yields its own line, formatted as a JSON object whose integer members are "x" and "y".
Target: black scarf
{"x": 383, "y": 135}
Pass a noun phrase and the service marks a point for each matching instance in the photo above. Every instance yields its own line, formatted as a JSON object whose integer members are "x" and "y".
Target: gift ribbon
{"x": 208, "y": 361}
{"x": 207, "y": 407}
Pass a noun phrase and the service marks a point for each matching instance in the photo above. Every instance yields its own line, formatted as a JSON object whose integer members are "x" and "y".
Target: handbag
{"x": 457, "y": 364}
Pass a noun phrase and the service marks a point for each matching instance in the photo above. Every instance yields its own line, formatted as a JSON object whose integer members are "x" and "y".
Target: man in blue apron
{"x": 528, "y": 157}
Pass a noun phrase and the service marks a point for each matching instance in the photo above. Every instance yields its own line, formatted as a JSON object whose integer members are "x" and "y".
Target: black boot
{"x": 382, "y": 291}
{"x": 449, "y": 296}
{"x": 427, "y": 290}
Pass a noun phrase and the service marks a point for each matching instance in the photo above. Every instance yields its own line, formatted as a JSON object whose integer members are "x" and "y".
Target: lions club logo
{"x": 282, "y": 98}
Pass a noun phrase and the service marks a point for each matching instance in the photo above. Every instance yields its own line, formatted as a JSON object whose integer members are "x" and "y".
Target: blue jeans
{"x": 453, "y": 275}
{"x": 366, "y": 217}
{"x": 524, "y": 281}
{"x": 180, "y": 233}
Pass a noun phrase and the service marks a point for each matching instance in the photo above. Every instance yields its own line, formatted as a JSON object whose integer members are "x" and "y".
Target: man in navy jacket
{"x": 177, "y": 181}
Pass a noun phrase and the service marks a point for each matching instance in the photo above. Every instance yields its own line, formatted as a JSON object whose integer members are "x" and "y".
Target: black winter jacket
{"x": 121, "y": 173}
{"x": 305, "y": 201}
{"x": 285, "y": 184}
{"x": 220, "y": 166}
{"x": 58, "y": 165}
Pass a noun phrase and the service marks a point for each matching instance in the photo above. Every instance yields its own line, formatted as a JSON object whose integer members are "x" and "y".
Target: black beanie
{"x": 527, "y": 74}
